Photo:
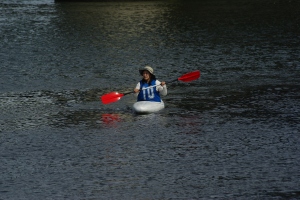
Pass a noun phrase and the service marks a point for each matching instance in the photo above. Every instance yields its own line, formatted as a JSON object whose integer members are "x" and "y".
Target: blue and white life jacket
{"x": 149, "y": 94}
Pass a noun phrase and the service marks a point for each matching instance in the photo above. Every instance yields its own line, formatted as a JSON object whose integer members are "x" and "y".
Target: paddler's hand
{"x": 163, "y": 83}
{"x": 136, "y": 90}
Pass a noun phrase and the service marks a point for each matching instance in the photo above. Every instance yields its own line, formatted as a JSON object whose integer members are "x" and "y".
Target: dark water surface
{"x": 232, "y": 134}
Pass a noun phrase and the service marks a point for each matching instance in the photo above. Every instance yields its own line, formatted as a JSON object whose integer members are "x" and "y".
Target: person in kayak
{"x": 152, "y": 93}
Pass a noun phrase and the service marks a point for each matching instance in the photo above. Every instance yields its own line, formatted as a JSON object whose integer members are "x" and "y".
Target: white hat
{"x": 148, "y": 68}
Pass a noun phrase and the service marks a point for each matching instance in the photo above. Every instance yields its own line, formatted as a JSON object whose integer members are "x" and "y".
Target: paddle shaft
{"x": 150, "y": 87}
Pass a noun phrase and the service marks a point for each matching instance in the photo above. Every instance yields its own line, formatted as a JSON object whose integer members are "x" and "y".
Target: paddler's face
{"x": 146, "y": 75}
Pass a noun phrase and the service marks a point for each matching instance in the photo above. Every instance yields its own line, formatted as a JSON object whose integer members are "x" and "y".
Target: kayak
{"x": 145, "y": 107}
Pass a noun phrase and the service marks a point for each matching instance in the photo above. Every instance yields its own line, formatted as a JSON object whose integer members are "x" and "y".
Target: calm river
{"x": 232, "y": 134}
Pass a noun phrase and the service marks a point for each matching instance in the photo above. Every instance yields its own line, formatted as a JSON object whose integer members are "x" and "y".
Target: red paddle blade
{"x": 190, "y": 76}
{"x": 111, "y": 97}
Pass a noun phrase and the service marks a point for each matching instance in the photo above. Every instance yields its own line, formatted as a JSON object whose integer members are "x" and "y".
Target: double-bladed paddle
{"x": 115, "y": 96}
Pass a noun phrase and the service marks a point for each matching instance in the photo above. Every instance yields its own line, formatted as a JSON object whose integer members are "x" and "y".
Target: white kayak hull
{"x": 145, "y": 107}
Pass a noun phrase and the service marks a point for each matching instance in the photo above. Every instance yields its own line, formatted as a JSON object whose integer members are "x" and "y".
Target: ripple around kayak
{"x": 145, "y": 107}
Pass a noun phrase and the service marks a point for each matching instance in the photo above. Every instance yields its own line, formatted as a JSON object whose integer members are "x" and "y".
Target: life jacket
{"x": 149, "y": 94}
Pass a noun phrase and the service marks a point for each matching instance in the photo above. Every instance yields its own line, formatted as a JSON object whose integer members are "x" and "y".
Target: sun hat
{"x": 148, "y": 68}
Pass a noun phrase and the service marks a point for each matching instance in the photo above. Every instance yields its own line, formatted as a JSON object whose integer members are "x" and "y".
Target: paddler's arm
{"x": 162, "y": 88}
{"x": 136, "y": 90}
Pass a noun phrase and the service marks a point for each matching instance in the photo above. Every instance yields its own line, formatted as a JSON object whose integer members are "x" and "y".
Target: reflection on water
{"x": 110, "y": 119}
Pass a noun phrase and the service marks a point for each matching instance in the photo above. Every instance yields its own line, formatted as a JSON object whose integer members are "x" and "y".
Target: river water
{"x": 232, "y": 134}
